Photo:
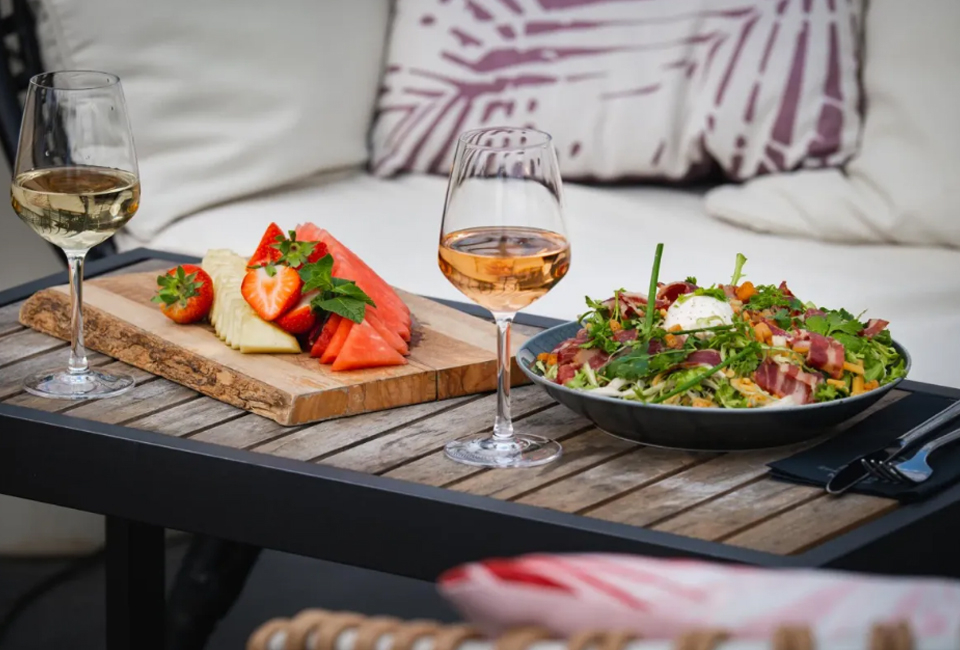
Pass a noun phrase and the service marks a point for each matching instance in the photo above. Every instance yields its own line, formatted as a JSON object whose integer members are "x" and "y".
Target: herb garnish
{"x": 336, "y": 295}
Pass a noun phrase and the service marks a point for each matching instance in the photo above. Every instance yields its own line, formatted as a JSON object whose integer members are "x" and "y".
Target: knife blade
{"x": 854, "y": 471}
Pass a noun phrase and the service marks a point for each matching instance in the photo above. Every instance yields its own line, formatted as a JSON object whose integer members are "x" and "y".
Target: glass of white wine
{"x": 503, "y": 244}
{"x": 75, "y": 183}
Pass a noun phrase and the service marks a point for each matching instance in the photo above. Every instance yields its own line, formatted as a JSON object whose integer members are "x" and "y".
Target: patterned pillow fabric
{"x": 629, "y": 88}
{"x": 661, "y": 599}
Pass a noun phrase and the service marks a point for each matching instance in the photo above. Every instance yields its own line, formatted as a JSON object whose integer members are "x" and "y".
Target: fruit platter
{"x": 299, "y": 291}
{"x": 299, "y": 331}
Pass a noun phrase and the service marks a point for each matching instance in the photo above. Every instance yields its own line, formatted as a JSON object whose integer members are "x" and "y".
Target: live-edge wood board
{"x": 453, "y": 354}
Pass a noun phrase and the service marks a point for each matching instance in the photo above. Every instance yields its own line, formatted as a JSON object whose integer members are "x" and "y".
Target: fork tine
{"x": 889, "y": 472}
{"x": 871, "y": 469}
{"x": 882, "y": 471}
{"x": 903, "y": 478}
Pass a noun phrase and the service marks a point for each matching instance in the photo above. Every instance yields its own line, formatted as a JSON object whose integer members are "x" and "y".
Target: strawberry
{"x": 271, "y": 290}
{"x": 268, "y": 250}
{"x": 300, "y": 319}
{"x": 184, "y": 293}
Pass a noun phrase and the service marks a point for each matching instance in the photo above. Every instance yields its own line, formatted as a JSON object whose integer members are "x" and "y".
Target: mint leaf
{"x": 350, "y": 308}
{"x": 351, "y": 290}
{"x": 318, "y": 275}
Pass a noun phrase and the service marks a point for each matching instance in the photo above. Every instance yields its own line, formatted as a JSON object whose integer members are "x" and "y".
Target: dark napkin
{"x": 816, "y": 465}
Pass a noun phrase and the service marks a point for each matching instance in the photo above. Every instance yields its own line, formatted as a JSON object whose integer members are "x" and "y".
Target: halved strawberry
{"x": 185, "y": 293}
{"x": 325, "y": 336}
{"x": 271, "y": 290}
{"x": 301, "y": 318}
{"x": 267, "y": 251}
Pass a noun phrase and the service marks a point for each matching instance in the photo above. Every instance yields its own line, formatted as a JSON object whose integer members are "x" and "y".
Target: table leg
{"x": 135, "y": 585}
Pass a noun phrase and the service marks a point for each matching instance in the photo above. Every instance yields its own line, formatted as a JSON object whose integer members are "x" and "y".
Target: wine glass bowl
{"x": 75, "y": 183}
{"x": 503, "y": 245}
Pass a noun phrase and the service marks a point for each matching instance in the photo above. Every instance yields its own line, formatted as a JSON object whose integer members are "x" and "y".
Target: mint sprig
{"x": 336, "y": 295}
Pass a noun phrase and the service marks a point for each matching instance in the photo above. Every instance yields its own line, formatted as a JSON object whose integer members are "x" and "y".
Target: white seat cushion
{"x": 227, "y": 98}
{"x": 394, "y": 224}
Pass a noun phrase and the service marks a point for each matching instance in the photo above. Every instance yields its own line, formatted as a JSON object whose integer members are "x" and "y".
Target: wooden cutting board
{"x": 452, "y": 354}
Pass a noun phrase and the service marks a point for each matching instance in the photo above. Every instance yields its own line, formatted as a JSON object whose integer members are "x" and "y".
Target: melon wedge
{"x": 257, "y": 335}
{"x": 365, "y": 348}
{"x": 340, "y": 250}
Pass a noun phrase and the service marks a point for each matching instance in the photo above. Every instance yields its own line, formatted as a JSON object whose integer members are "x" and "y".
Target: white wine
{"x": 75, "y": 208}
{"x": 504, "y": 268}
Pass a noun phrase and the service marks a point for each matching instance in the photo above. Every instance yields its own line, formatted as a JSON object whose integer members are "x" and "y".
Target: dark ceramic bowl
{"x": 684, "y": 427}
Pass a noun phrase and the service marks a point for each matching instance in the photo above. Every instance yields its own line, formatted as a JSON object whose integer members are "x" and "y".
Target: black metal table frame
{"x": 144, "y": 482}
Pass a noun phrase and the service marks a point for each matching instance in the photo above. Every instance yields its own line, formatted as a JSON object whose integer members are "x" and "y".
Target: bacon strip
{"x": 674, "y": 290}
{"x": 571, "y": 357}
{"x": 706, "y": 358}
{"x": 633, "y": 305}
{"x": 625, "y": 335}
{"x": 874, "y": 327}
{"x": 786, "y": 380}
{"x": 825, "y": 353}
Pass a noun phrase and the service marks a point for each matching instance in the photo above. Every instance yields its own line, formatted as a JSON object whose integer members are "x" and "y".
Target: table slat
{"x": 554, "y": 422}
{"x": 189, "y": 417}
{"x": 10, "y": 318}
{"x": 611, "y": 479}
{"x": 685, "y": 489}
{"x": 811, "y": 523}
{"x": 425, "y": 436}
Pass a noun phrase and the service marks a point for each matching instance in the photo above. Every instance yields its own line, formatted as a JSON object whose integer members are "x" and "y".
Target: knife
{"x": 854, "y": 471}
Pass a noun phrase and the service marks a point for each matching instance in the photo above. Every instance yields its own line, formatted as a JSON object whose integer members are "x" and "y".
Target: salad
{"x": 735, "y": 345}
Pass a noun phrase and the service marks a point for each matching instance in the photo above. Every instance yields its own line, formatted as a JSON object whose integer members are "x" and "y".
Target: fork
{"x": 914, "y": 468}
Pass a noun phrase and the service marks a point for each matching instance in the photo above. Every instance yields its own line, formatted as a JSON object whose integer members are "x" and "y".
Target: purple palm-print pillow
{"x": 628, "y": 88}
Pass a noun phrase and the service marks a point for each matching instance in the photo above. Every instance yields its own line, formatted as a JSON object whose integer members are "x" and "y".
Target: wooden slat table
{"x": 375, "y": 490}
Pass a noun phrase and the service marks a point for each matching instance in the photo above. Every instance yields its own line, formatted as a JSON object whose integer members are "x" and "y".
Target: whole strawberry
{"x": 185, "y": 293}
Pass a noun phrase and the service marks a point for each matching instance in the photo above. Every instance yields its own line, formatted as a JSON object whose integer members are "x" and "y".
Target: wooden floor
{"x": 719, "y": 497}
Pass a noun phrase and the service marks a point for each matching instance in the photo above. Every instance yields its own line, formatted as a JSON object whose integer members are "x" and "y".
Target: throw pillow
{"x": 902, "y": 185}
{"x": 661, "y": 599}
{"x": 227, "y": 98}
{"x": 636, "y": 88}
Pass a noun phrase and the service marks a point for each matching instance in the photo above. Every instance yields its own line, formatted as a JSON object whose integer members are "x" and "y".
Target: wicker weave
{"x": 320, "y": 630}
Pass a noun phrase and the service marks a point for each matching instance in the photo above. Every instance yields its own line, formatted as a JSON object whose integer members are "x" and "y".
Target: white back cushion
{"x": 903, "y": 184}
{"x": 227, "y": 97}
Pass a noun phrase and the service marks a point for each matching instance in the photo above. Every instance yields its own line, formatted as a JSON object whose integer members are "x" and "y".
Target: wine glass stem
{"x": 78, "y": 354}
{"x": 503, "y": 425}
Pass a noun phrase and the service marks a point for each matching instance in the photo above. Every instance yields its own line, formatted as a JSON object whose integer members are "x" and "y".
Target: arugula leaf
{"x": 834, "y": 323}
{"x": 826, "y": 392}
{"x": 713, "y": 292}
{"x": 852, "y": 344}
{"x": 730, "y": 397}
{"x": 341, "y": 305}
{"x": 769, "y": 296}
{"x": 738, "y": 269}
{"x": 640, "y": 363}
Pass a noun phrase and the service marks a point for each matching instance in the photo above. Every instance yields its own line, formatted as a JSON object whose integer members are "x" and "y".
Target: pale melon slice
{"x": 259, "y": 336}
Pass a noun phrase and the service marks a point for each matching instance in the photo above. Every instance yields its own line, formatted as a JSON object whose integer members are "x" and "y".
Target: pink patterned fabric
{"x": 628, "y": 88}
{"x": 663, "y": 598}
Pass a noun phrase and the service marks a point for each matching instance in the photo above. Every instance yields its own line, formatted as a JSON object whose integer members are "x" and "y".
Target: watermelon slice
{"x": 388, "y": 334}
{"x": 390, "y": 308}
{"x": 326, "y": 335}
{"x": 339, "y": 250}
{"x": 365, "y": 348}
{"x": 333, "y": 349}
{"x": 376, "y": 284}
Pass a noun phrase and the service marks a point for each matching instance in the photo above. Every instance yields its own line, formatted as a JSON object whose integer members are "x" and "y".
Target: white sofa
{"x": 245, "y": 114}
{"x": 613, "y": 231}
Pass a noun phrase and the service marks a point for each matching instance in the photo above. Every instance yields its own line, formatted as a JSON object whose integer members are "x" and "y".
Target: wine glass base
{"x": 92, "y": 384}
{"x": 522, "y": 451}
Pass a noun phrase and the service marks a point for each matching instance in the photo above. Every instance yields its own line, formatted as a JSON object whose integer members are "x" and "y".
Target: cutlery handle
{"x": 940, "y": 441}
{"x": 923, "y": 429}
